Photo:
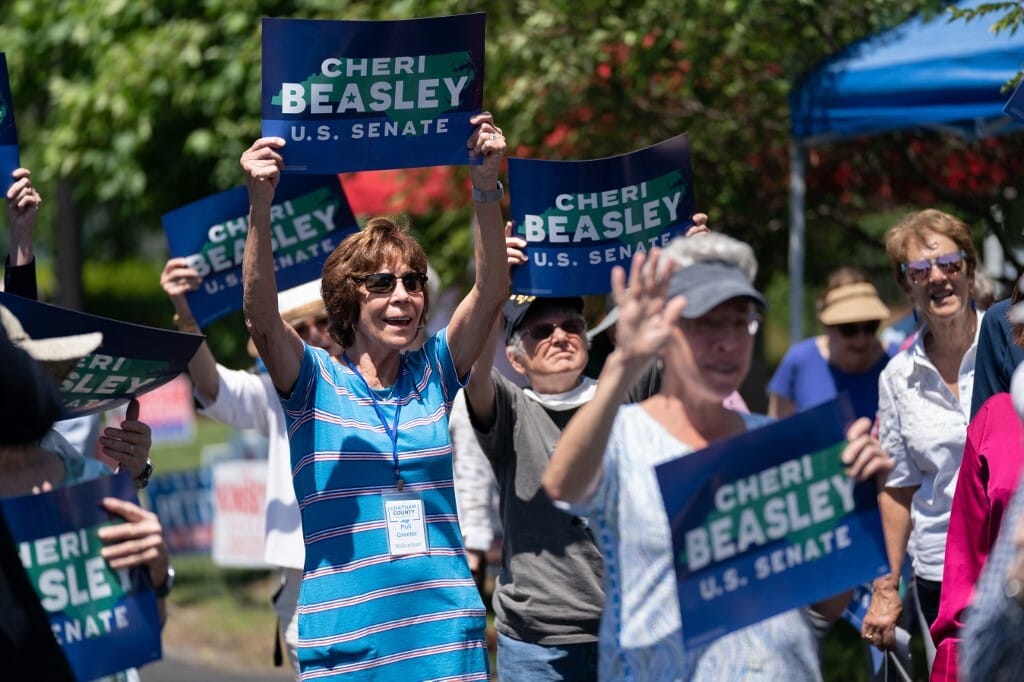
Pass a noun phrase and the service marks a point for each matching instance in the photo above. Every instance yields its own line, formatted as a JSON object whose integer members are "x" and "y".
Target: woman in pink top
{"x": 988, "y": 476}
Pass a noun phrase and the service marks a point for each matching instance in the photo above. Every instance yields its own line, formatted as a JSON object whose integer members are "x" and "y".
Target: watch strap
{"x": 488, "y": 196}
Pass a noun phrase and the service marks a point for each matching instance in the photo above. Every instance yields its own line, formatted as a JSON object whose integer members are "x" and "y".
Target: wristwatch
{"x": 142, "y": 480}
{"x": 485, "y": 197}
{"x": 165, "y": 589}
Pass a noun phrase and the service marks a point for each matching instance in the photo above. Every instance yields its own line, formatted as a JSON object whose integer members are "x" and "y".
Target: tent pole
{"x": 797, "y": 192}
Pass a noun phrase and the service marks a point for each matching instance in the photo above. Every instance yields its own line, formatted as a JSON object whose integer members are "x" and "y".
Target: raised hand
{"x": 645, "y": 317}
{"x": 486, "y": 141}
{"x": 130, "y": 444}
{"x": 262, "y": 164}
{"x": 178, "y": 278}
{"x": 23, "y": 202}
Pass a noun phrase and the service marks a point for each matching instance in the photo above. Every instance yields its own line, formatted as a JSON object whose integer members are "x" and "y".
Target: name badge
{"x": 407, "y": 527}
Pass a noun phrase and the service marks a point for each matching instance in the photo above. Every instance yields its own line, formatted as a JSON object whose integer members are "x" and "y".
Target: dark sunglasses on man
{"x": 573, "y": 325}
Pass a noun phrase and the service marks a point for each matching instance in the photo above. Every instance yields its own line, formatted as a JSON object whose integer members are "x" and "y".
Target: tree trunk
{"x": 69, "y": 248}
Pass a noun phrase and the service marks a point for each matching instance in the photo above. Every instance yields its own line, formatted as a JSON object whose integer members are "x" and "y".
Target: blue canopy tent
{"x": 931, "y": 74}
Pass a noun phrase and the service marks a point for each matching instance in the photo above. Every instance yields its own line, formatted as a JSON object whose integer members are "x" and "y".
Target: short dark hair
{"x": 381, "y": 240}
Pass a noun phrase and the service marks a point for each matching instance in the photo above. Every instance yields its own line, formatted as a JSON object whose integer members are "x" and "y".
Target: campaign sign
{"x": 768, "y": 521}
{"x": 239, "y": 513}
{"x": 9, "y": 160}
{"x": 309, "y": 218}
{"x": 582, "y": 218}
{"x": 372, "y": 95}
{"x": 132, "y": 360}
{"x": 1015, "y": 105}
{"x": 105, "y": 620}
{"x": 183, "y": 501}
{"x": 170, "y": 412}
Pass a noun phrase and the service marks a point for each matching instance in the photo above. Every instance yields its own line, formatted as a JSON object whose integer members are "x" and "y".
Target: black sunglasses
{"x": 851, "y": 329}
{"x": 949, "y": 263}
{"x": 573, "y": 325}
{"x": 385, "y": 282}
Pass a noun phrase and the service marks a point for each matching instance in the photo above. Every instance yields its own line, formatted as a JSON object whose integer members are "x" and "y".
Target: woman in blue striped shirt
{"x": 386, "y": 592}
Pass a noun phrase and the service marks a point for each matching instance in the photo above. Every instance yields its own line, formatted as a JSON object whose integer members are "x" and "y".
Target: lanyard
{"x": 393, "y": 430}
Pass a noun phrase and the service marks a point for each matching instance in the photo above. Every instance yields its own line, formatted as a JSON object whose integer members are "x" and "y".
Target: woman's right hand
{"x": 645, "y": 317}
{"x": 178, "y": 278}
{"x": 879, "y": 626}
{"x": 514, "y": 247}
{"x": 262, "y": 164}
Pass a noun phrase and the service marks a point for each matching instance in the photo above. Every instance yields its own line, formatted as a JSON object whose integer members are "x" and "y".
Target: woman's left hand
{"x": 863, "y": 455}
{"x": 645, "y": 317}
{"x": 130, "y": 444}
{"x": 137, "y": 542}
{"x": 488, "y": 142}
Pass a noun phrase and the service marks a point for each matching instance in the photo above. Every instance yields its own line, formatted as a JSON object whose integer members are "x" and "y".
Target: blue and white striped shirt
{"x": 362, "y": 613}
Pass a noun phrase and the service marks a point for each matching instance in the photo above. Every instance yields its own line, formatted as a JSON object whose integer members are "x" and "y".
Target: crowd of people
{"x": 362, "y": 406}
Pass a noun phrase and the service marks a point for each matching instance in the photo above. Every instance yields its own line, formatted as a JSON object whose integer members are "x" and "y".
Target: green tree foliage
{"x": 145, "y": 105}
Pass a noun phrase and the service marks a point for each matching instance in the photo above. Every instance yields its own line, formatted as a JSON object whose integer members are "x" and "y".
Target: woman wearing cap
{"x": 924, "y": 408}
{"x": 848, "y": 357}
{"x": 386, "y": 592}
{"x": 604, "y": 462}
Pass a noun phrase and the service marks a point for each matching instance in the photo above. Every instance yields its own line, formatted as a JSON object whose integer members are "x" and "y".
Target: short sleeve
{"x": 905, "y": 473}
{"x": 782, "y": 382}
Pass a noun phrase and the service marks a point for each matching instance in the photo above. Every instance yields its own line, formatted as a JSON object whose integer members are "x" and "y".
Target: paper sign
{"x": 183, "y": 501}
{"x": 105, "y": 620}
{"x": 132, "y": 360}
{"x": 582, "y": 218}
{"x": 9, "y": 157}
{"x": 239, "y": 513}
{"x": 768, "y": 521}
{"x": 309, "y": 218}
{"x": 372, "y": 95}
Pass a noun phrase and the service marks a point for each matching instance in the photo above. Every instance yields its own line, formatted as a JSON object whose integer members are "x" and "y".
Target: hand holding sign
{"x": 262, "y": 164}
{"x": 863, "y": 454}
{"x": 23, "y": 203}
{"x": 129, "y": 445}
{"x": 137, "y": 542}
{"x": 487, "y": 142}
{"x": 177, "y": 279}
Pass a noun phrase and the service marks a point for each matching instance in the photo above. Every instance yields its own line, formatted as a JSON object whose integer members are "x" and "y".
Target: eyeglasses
{"x": 918, "y": 271}
{"x": 718, "y": 326}
{"x": 385, "y": 282}
{"x": 851, "y": 329}
{"x": 573, "y": 325}
{"x": 321, "y": 322}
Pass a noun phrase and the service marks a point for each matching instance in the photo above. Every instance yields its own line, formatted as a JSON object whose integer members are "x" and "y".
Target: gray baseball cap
{"x": 710, "y": 283}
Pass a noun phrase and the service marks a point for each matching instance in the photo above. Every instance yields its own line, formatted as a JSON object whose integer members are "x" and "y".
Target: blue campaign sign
{"x": 1015, "y": 105}
{"x": 9, "y": 158}
{"x": 582, "y": 218}
{"x": 183, "y": 500}
{"x": 132, "y": 360}
{"x": 105, "y": 620}
{"x": 372, "y": 95}
{"x": 768, "y": 521}
{"x": 309, "y": 218}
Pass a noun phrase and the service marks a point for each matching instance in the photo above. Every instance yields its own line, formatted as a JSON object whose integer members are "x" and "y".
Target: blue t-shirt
{"x": 364, "y": 614}
{"x": 804, "y": 378}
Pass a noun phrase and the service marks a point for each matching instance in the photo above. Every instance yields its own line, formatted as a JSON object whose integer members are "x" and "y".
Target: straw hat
{"x": 852, "y": 303}
{"x": 58, "y": 354}
{"x": 298, "y": 303}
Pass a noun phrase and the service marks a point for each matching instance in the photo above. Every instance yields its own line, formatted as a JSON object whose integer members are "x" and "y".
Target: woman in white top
{"x": 604, "y": 462}
{"x": 924, "y": 401}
